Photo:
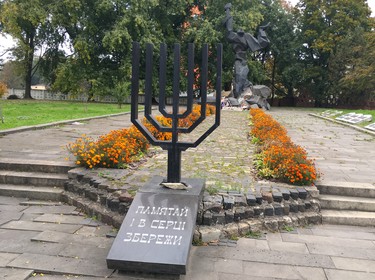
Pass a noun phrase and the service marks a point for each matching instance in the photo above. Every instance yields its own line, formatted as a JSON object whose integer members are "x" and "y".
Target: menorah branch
{"x": 174, "y": 146}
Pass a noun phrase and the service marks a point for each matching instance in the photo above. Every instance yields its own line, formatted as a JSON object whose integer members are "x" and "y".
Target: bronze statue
{"x": 242, "y": 42}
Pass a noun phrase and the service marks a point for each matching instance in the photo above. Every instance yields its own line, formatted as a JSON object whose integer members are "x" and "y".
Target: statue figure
{"x": 242, "y": 42}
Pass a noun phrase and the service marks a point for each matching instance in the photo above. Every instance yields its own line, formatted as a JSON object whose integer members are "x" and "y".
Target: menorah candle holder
{"x": 174, "y": 146}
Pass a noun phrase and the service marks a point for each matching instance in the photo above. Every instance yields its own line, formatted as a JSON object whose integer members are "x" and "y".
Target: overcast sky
{"x": 6, "y": 42}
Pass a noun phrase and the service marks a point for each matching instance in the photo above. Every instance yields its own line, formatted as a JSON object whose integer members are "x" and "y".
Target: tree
{"x": 1, "y": 62}
{"x": 12, "y": 75}
{"x": 30, "y": 23}
{"x": 323, "y": 25}
{"x": 360, "y": 78}
{"x": 207, "y": 27}
{"x": 100, "y": 34}
{"x": 121, "y": 92}
{"x": 84, "y": 24}
{"x": 145, "y": 21}
{"x": 352, "y": 69}
{"x": 283, "y": 66}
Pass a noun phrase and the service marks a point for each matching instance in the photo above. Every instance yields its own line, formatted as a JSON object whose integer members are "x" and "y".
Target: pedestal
{"x": 157, "y": 232}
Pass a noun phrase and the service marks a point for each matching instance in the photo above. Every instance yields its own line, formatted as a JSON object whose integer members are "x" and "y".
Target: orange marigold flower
{"x": 288, "y": 161}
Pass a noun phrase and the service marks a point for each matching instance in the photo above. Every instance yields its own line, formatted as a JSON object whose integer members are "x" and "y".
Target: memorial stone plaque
{"x": 354, "y": 118}
{"x": 331, "y": 113}
{"x": 371, "y": 126}
{"x": 157, "y": 232}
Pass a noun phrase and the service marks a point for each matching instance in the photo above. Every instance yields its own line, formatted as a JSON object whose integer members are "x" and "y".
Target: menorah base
{"x": 174, "y": 165}
{"x": 157, "y": 232}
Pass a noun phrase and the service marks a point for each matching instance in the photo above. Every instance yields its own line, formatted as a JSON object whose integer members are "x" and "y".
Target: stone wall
{"x": 225, "y": 214}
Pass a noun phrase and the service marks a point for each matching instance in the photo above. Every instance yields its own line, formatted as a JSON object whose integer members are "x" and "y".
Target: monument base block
{"x": 157, "y": 232}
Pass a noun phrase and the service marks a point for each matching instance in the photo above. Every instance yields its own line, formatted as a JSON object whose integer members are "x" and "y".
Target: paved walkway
{"x": 50, "y": 143}
{"x": 341, "y": 153}
{"x": 59, "y": 243}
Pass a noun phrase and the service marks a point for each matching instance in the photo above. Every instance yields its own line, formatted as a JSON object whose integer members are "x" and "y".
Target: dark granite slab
{"x": 251, "y": 200}
{"x": 277, "y": 196}
{"x": 156, "y": 234}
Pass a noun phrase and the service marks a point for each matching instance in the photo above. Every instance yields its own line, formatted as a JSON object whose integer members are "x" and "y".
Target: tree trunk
{"x": 290, "y": 97}
{"x": 29, "y": 57}
{"x": 273, "y": 80}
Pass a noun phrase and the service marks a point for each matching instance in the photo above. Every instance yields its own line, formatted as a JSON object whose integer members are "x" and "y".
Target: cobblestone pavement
{"x": 222, "y": 161}
{"x": 57, "y": 242}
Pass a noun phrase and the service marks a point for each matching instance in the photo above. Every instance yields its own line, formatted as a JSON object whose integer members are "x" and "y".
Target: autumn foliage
{"x": 3, "y": 89}
{"x": 120, "y": 147}
{"x": 279, "y": 158}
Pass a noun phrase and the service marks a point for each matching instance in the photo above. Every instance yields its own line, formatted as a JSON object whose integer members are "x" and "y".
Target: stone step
{"x": 33, "y": 178}
{"x": 93, "y": 209}
{"x": 347, "y": 203}
{"x": 40, "y": 203}
{"x": 347, "y": 189}
{"x": 27, "y": 165}
{"x": 31, "y": 192}
{"x": 351, "y": 218}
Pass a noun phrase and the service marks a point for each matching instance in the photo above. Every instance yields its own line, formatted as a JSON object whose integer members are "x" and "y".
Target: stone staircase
{"x": 346, "y": 203}
{"x": 33, "y": 179}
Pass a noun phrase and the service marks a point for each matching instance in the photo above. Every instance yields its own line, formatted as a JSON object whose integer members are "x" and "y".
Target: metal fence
{"x": 49, "y": 95}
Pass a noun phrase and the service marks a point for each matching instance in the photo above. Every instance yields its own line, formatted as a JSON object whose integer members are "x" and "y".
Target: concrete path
{"x": 57, "y": 242}
{"x": 342, "y": 154}
{"x": 50, "y": 143}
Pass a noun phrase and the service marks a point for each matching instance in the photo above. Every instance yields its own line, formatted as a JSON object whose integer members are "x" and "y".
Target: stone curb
{"x": 344, "y": 123}
{"x": 93, "y": 209}
{"x": 222, "y": 215}
{"x": 42, "y": 126}
{"x": 214, "y": 234}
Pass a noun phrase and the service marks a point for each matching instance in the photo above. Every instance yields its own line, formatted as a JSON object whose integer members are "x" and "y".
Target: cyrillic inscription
{"x": 168, "y": 224}
{"x": 165, "y": 211}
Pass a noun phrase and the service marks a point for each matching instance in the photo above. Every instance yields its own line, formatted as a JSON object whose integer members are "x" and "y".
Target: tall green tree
{"x": 283, "y": 67}
{"x": 101, "y": 35}
{"x": 29, "y": 23}
{"x": 352, "y": 69}
{"x": 323, "y": 25}
{"x": 83, "y": 24}
{"x": 208, "y": 28}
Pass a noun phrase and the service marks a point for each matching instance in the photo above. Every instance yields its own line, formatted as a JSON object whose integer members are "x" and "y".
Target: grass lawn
{"x": 18, "y": 113}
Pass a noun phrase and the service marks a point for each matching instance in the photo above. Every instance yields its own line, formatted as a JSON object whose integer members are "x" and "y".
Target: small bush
{"x": 279, "y": 158}
{"x": 3, "y": 89}
{"x": 13, "y": 96}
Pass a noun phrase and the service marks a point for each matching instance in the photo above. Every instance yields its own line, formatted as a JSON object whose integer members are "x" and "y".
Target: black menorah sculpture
{"x": 174, "y": 146}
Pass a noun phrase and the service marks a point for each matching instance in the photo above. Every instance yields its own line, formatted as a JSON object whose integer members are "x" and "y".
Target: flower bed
{"x": 279, "y": 158}
{"x": 120, "y": 147}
